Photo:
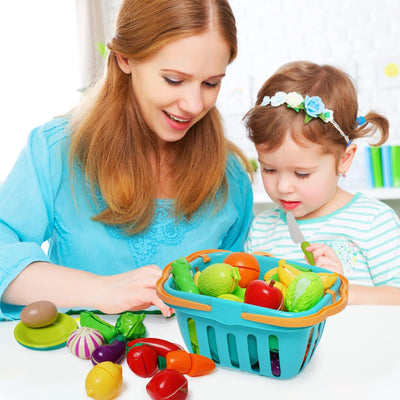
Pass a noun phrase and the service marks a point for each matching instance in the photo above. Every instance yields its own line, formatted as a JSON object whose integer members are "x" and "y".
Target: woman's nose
{"x": 192, "y": 101}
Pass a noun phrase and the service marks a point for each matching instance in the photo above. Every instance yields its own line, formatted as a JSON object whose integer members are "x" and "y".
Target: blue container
{"x": 247, "y": 337}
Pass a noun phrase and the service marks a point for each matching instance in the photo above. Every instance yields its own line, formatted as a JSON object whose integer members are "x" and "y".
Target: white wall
{"x": 39, "y": 75}
{"x": 360, "y": 36}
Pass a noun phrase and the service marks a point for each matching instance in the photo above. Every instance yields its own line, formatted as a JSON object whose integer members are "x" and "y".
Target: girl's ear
{"x": 347, "y": 158}
{"x": 124, "y": 64}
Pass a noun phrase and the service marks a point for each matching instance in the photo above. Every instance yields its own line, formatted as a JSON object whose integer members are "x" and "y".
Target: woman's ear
{"x": 347, "y": 158}
{"x": 124, "y": 64}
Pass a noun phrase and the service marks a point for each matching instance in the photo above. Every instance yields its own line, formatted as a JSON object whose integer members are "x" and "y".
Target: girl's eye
{"x": 302, "y": 175}
{"x": 171, "y": 81}
{"x": 268, "y": 170}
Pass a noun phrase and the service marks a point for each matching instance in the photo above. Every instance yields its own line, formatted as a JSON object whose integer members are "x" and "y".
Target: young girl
{"x": 136, "y": 176}
{"x": 303, "y": 126}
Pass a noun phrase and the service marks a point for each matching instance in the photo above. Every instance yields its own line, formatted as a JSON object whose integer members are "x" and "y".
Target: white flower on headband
{"x": 312, "y": 106}
{"x": 278, "y": 99}
{"x": 266, "y": 101}
{"x": 294, "y": 99}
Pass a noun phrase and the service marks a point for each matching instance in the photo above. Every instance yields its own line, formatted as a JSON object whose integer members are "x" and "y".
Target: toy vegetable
{"x": 188, "y": 363}
{"x": 181, "y": 273}
{"x": 131, "y": 325}
{"x": 88, "y": 318}
{"x": 83, "y": 341}
{"x": 114, "y": 351}
{"x": 168, "y": 384}
{"x": 142, "y": 360}
{"x": 161, "y": 346}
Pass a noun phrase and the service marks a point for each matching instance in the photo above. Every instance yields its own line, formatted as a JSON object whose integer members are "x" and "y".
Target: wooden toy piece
{"x": 39, "y": 314}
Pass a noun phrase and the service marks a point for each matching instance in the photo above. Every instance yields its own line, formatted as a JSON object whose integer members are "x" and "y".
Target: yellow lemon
{"x": 104, "y": 381}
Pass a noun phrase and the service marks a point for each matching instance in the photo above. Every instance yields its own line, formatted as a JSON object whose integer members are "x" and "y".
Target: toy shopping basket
{"x": 247, "y": 337}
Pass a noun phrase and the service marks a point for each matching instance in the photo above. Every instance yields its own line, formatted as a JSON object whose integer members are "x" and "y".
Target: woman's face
{"x": 179, "y": 84}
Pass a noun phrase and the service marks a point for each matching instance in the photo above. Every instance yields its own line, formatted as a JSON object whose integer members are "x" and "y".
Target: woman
{"x": 137, "y": 175}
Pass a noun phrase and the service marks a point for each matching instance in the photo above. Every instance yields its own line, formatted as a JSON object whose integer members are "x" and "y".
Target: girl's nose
{"x": 192, "y": 101}
{"x": 285, "y": 185}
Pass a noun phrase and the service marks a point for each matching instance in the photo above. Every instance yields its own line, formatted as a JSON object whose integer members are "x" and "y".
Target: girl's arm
{"x": 379, "y": 295}
{"x": 67, "y": 287}
{"x": 325, "y": 257}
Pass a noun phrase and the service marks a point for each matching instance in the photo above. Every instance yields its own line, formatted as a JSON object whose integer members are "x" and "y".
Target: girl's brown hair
{"x": 111, "y": 142}
{"x": 267, "y": 126}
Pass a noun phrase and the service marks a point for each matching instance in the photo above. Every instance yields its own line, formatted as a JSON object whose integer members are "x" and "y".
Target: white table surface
{"x": 358, "y": 356}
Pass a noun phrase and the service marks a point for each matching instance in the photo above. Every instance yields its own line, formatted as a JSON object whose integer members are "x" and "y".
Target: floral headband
{"x": 313, "y": 107}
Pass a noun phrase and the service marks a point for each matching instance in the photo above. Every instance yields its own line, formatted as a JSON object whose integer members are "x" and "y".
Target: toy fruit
{"x": 303, "y": 292}
{"x": 104, "y": 381}
{"x": 263, "y": 294}
{"x": 287, "y": 272}
{"x": 39, "y": 314}
{"x": 168, "y": 384}
{"x": 188, "y": 363}
{"x": 239, "y": 292}
{"x": 272, "y": 274}
{"x": 328, "y": 279}
{"x": 247, "y": 264}
{"x": 278, "y": 285}
{"x": 142, "y": 360}
{"x": 218, "y": 279}
{"x": 182, "y": 274}
{"x": 83, "y": 341}
{"x": 230, "y": 296}
{"x": 161, "y": 346}
{"x": 114, "y": 351}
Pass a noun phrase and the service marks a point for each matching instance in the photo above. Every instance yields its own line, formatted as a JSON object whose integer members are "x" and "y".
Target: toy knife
{"x": 297, "y": 236}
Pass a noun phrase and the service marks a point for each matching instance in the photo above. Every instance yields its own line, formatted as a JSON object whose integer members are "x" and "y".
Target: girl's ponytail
{"x": 371, "y": 124}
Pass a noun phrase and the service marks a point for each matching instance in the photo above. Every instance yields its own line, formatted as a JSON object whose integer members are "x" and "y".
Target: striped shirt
{"x": 365, "y": 235}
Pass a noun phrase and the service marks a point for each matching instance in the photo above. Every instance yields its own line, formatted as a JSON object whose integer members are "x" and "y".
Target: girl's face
{"x": 179, "y": 84}
{"x": 301, "y": 180}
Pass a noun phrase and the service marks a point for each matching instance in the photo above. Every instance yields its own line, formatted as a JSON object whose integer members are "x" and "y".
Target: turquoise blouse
{"x": 38, "y": 204}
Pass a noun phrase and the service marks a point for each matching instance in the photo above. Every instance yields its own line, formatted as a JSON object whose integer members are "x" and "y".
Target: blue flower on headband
{"x": 278, "y": 99}
{"x": 313, "y": 106}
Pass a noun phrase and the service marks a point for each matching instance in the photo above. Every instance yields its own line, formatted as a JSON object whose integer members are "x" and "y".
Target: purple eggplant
{"x": 114, "y": 351}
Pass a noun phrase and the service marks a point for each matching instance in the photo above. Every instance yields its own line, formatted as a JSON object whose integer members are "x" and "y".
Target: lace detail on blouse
{"x": 165, "y": 230}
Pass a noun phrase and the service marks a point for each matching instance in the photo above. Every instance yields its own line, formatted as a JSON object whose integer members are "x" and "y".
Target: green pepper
{"x": 91, "y": 320}
{"x": 131, "y": 325}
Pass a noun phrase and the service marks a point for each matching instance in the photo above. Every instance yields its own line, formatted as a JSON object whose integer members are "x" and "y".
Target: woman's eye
{"x": 302, "y": 175}
{"x": 171, "y": 81}
{"x": 211, "y": 84}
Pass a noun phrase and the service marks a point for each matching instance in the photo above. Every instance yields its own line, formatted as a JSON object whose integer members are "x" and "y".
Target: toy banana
{"x": 280, "y": 286}
{"x": 268, "y": 275}
{"x": 327, "y": 278}
{"x": 287, "y": 272}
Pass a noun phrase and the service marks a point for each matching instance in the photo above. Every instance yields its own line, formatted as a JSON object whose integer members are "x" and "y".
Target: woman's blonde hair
{"x": 110, "y": 140}
{"x": 267, "y": 126}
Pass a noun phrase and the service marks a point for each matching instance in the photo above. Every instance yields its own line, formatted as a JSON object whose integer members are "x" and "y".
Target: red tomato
{"x": 142, "y": 360}
{"x": 247, "y": 264}
{"x": 168, "y": 384}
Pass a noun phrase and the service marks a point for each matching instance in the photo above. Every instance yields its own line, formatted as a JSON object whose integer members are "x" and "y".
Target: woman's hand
{"x": 325, "y": 257}
{"x": 133, "y": 290}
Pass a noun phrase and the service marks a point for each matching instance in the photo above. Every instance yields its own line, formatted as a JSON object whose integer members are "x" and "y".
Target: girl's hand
{"x": 130, "y": 291}
{"x": 325, "y": 257}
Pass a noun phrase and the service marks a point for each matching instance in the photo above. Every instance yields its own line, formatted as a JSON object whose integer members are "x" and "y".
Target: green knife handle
{"x": 308, "y": 254}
